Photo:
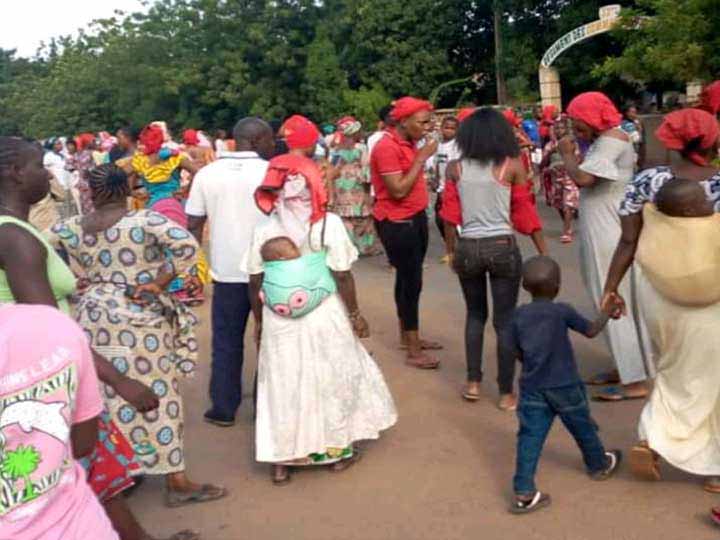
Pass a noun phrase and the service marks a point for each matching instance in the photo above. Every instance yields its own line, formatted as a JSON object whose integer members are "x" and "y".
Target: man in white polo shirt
{"x": 222, "y": 192}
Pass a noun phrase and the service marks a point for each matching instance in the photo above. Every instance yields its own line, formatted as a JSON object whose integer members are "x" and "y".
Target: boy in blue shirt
{"x": 550, "y": 385}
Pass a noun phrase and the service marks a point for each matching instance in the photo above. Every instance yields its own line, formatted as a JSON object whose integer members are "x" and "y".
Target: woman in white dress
{"x": 603, "y": 175}
{"x": 681, "y": 296}
{"x": 319, "y": 391}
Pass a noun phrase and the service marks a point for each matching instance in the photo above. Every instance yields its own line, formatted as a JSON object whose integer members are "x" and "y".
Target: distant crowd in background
{"x": 108, "y": 229}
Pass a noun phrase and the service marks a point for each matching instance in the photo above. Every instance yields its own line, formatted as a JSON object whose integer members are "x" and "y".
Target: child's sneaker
{"x": 539, "y": 500}
{"x": 614, "y": 459}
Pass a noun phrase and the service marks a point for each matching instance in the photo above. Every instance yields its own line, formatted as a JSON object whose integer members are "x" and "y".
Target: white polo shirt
{"x": 223, "y": 192}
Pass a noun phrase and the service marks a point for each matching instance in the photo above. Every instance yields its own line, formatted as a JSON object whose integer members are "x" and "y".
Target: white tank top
{"x": 485, "y": 201}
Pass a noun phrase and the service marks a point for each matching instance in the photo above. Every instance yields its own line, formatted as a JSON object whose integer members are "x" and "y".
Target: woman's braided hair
{"x": 108, "y": 182}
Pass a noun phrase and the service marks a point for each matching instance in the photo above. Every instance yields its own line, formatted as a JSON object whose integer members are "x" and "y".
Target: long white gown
{"x": 318, "y": 388}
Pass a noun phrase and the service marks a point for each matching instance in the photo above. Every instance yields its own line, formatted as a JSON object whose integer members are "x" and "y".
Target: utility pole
{"x": 499, "y": 76}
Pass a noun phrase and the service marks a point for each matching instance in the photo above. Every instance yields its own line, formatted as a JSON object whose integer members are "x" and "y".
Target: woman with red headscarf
{"x": 605, "y": 171}
{"x": 351, "y": 198}
{"x": 201, "y": 154}
{"x": 318, "y": 391}
{"x": 681, "y": 300}
{"x": 401, "y": 199}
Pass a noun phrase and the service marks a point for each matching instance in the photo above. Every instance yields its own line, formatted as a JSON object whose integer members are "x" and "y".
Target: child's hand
{"x": 613, "y": 305}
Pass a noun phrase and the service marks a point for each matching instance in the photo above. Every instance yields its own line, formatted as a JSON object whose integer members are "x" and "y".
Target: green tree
{"x": 326, "y": 83}
{"x": 20, "y": 464}
{"x": 666, "y": 40}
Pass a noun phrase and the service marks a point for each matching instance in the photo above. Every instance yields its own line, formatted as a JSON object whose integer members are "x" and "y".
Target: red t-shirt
{"x": 394, "y": 155}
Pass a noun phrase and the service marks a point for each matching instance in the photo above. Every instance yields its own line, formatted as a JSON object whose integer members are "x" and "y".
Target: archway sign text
{"x": 609, "y": 16}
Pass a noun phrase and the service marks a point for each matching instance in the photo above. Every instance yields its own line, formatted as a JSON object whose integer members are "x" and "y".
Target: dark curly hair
{"x": 487, "y": 137}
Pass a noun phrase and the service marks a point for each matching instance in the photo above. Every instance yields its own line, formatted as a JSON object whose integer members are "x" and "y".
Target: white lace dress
{"x": 318, "y": 388}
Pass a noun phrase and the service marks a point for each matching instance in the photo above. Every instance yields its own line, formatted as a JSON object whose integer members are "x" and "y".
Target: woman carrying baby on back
{"x": 319, "y": 391}
{"x": 671, "y": 227}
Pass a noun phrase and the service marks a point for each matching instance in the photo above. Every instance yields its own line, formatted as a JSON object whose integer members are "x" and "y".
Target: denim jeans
{"x": 497, "y": 258}
{"x": 536, "y": 413}
{"x": 406, "y": 244}
{"x": 230, "y": 311}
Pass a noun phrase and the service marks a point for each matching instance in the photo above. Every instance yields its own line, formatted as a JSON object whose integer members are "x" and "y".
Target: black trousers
{"x": 438, "y": 220}
{"x": 406, "y": 244}
{"x": 497, "y": 259}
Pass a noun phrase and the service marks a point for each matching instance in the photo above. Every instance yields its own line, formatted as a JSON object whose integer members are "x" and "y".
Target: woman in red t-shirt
{"x": 401, "y": 198}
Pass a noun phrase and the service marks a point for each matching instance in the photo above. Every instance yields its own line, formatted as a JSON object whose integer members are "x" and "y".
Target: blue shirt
{"x": 540, "y": 335}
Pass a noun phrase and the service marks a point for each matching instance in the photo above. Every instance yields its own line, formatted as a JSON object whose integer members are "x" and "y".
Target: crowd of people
{"x": 101, "y": 267}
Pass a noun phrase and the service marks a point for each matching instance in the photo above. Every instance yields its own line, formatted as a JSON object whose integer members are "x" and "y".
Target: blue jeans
{"x": 536, "y": 413}
{"x": 230, "y": 312}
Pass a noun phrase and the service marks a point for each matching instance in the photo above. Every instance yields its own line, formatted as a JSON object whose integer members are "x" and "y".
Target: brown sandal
{"x": 282, "y": 477}
{"x": 206, "y": 493}
{"x": 644, "y": 463}
{"x": 712, "y": 484}
{"x": 423, "y": 362}
{"x": 426, "y": 346}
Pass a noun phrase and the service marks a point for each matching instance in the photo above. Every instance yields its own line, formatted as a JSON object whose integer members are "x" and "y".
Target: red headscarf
{"x": 548, "y": 113}
{"x": 511, "y": 117}
{"x": 190, "y": 137}
{"x": 284, "y": 166}
{"x": 596, "y": 110}
{"x": 710, "y": 98}
{"x": 407, "y": 106}
{"x": 465, "y": 113}
{"x": 679, "y": 128}
{"x": 152, "y": 138}
{"x": 299, "y": 132}
{"x": 83, "y": 140}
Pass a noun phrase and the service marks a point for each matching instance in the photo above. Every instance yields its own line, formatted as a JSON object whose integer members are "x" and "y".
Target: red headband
{"x": 407, "y": 106}
{"x": 299, "y": 132}
{"x": 680, "y": 128}
{"x": 596, "y": 110}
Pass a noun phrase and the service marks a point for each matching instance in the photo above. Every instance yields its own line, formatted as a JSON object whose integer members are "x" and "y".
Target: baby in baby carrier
{"x": 294, "y": 285}
{"x": 678, "y": 249}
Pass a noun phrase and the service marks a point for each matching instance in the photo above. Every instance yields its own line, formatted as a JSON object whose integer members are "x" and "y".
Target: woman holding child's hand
{"x": 669, "y": 211}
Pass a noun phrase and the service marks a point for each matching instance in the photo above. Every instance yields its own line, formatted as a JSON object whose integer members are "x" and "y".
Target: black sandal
{"x": 539, "y": 500}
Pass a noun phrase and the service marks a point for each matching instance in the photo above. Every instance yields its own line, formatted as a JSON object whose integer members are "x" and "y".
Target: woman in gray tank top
{"x": 486, "y": 247}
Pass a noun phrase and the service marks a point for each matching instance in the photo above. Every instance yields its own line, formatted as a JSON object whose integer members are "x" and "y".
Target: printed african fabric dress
{"x": 154, "y": 343}
{"x": 352, "y": 200}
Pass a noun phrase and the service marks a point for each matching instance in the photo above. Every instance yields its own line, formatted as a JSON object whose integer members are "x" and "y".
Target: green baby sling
{"x": 296, "y": 287}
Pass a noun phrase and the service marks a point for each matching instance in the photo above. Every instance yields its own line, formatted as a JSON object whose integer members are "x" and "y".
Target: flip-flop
{"x": 715, "y": 515}
{"x": 426, "y": 346}
{"x": 602, "y": 379}
{"x": 470, "y": 396}
{"x": 540, "y": 500}
{"x": 615, "y": 393}
{"x": 712, "y": 484}
{"x": 423, "y": 362}
{"x": 566, "y": 238}
{"x": 644, "y": 463}
{"x": 281, "y": 480}
{"x": 206, "y": 493}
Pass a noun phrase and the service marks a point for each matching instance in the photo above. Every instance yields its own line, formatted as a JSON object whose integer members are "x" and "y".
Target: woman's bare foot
{"x": 471, "y": 391}
{"x": 507, "y": 402}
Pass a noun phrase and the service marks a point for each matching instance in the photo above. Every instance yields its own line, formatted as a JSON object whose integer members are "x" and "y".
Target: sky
{"x": 29, "y": 22}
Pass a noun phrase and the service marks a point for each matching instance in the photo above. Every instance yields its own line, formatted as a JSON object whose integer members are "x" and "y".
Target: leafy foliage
{"x": 208, "y": 62}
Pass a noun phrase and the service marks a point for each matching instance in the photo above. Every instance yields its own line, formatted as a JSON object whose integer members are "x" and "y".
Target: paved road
{"x": 444, "y": 472}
